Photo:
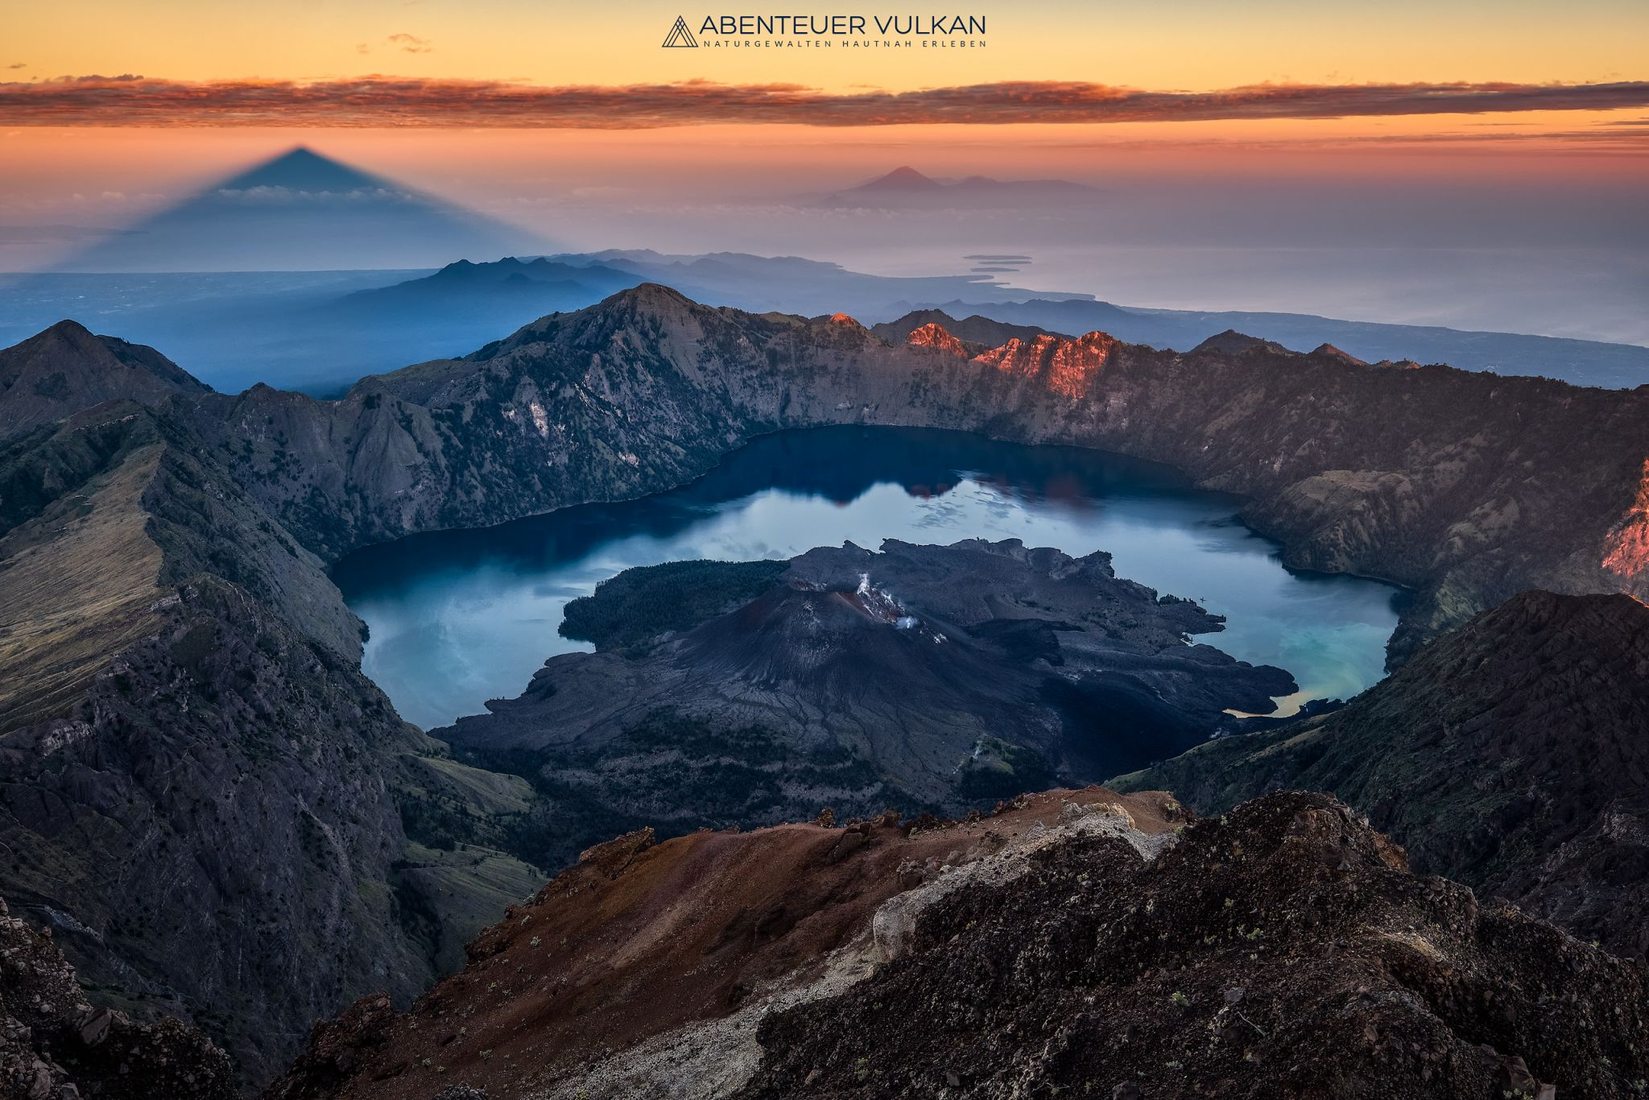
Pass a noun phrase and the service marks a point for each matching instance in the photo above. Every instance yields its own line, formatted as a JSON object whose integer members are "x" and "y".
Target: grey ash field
{"x": 222, "y": 820}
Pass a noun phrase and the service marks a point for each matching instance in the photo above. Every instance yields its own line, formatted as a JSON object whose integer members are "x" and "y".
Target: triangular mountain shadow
{"x": 303, "y": 169}
{"x": 680, "y": 37}
{"x": 302, "y": 211}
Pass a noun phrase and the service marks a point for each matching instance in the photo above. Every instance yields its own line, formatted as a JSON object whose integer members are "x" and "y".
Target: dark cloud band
{"x": 390, "y": 101}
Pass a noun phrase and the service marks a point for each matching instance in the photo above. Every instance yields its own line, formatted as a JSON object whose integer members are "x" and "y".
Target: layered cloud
{"x": 406, "y": 43}
{"x": 129, "y": 100}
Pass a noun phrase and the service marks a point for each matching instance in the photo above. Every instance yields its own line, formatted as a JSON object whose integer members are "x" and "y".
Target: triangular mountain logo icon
{"x": 680, "y": 37}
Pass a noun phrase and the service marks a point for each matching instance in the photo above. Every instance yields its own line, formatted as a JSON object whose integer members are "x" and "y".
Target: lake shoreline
{"x": 495, "y": 593}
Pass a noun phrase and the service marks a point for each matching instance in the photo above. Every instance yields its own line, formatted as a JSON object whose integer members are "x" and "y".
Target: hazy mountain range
{"x": 906, "y": 187}
{"x": 321, "y": 331}
{"x": 264, "y": 314}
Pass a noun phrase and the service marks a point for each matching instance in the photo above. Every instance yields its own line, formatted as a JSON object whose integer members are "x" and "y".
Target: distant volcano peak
{"x": 903, "y": 178}
{"x": 906, "y": 186}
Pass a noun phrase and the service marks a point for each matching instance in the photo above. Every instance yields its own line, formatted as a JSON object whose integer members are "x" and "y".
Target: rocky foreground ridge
{"x": 1511, "y": 755}
{"x": 197, "y": 784}
{"x": 1074, "y": 943}
{"x": 55, "y": 1045}
{"x": 182, "y": 712}
{"x": 647, "y": 968}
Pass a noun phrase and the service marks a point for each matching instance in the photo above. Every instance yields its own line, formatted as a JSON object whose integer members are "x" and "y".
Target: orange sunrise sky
{"x": 1166, "y": 48}
{"x": 1158, "y": 44}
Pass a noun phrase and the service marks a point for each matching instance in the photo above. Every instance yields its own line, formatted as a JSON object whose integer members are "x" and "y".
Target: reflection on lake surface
{"x": 459, "y": 617}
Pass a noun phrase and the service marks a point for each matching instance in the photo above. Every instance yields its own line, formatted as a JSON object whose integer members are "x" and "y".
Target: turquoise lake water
{"x": 460, "y": 617}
